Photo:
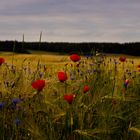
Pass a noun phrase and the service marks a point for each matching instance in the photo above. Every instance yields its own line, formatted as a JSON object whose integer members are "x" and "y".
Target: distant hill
{"x": 65, "y": 47}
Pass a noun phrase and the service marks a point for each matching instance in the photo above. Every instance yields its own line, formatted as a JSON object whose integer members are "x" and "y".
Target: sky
{"x": 70, "y": 20}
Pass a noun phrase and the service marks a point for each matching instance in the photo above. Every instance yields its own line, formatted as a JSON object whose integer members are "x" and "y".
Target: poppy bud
{"x": 122, "y": 59}
{"x": 86, "y": 89}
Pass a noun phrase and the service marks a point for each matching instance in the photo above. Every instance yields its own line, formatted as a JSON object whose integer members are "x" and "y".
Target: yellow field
{"x": 112, "y": 104}
{"x": 50, "y": 58}
{"x": 19, "y": 60}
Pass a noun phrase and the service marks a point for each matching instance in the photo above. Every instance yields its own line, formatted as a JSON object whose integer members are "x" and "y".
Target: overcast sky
{"x": 70, "y": 20}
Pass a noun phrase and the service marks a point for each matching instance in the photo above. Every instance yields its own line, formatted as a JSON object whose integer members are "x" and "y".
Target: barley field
{"x": 61, "y": 97}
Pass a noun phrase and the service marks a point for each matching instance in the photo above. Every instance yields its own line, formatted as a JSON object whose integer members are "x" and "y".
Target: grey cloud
{"x": 71, "y": 20}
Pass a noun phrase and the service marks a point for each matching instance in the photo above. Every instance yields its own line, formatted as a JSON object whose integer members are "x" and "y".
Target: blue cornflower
{"x": 17, "y": 122}
{"x": 88, "y": 56}
{"x": 40, "y": 74}
{"x": 16, "y": 100}
{"x": 94, "y": 71}
{"x": 1, "y": 105}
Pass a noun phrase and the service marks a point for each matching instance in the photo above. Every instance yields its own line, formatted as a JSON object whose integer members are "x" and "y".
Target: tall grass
{"x": 108, "y": 111}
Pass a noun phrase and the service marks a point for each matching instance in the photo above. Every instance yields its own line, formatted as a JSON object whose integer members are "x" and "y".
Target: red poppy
{"x": 38, "y": 85}
{"x": 69, "y": 98}
{"x": 139, "y": 66}
{"x": 62, "y": 76}
{"x": 2, "y": 60}
{"x": 86, "y": 89}
{"x": 75, "y": 57}
{"x": 122, "y": 58}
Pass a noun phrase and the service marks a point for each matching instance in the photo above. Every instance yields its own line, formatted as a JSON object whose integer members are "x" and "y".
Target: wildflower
{"x": 62, "y": 76}
{"x": 1, "y": 105}
{"x": 122, "y": 58}
{"x": 126, "y": 83}
{"x": 72, "y": 77}
{"x": 2, "y": 60}
{"x": 88, "y": 56}
{"x": 17, "y": 122}
{"x": 75, "y": 57}
{"x": 94, "y": 71}
{"x": 88, "y": 71}
{"x": 133, "y": 77}
{"x": 38, "y": 85}
{"x": 69, "y": 98}
{"x": 40, "y": 74}
{"x": 139, "y": 67}
{"x": 86, "y": 88}
{"x": 16, "y": 100}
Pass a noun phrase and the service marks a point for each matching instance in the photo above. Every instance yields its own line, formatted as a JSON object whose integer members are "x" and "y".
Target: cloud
{"x": 70, "y": 20}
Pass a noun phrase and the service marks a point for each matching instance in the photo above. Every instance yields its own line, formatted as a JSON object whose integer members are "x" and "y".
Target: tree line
{"x": 65, "y": 47}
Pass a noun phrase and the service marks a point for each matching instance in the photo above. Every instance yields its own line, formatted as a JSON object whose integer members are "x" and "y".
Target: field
{"x": 94, "y": 97}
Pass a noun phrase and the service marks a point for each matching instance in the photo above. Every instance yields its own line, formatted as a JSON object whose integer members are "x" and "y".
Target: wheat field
{"x": 109, "y": 109}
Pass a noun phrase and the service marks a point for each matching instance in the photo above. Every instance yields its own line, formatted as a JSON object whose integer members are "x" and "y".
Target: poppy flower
{"x": 62, "y": 76}
{"x": 75, "y": 57}
{"x": 69, "y": 98}
{"x": 38, "y": 85}
{"x": 122, "y": 58}
{"x": 86, "y": 89}
{"x": 139, "y": 66}
{"x": 2, "y": 60}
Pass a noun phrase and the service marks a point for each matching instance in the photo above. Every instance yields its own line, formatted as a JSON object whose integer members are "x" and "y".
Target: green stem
{"x": 14, "y": 46}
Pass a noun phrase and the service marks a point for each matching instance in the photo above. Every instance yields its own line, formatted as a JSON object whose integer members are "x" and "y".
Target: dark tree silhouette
{"x": 65, "y": 47}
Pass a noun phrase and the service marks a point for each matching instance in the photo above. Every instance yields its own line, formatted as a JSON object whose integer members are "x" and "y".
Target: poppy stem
{"x": 65, "y": 84}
